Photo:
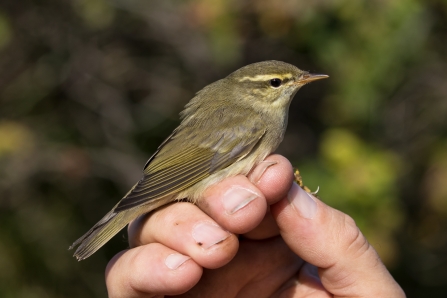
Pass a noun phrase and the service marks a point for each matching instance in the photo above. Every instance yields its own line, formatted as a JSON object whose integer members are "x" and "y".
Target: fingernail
{"x": 173, "y": 261}
{"x": 207, "y": 234}
{"x": 302, "y": 202}
{"x": 259, "y": 170}
{"x": 237, "y": 198}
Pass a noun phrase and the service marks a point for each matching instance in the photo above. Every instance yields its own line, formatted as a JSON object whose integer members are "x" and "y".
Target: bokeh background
{"x": 89, "y": 88}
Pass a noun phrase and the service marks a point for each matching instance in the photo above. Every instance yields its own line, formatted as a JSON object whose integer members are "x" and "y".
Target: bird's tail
{"x": 109, "y": 226}
{"x": 102, "y": 232}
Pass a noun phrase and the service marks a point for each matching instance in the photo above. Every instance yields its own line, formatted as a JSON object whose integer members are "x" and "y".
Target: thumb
{"x": 329, "y": 239}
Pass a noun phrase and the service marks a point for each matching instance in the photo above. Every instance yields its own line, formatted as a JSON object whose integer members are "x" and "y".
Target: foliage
{"x": 89, "y": 88}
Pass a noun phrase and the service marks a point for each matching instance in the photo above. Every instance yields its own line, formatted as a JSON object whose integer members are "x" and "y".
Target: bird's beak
{"x": 310, "y": 77}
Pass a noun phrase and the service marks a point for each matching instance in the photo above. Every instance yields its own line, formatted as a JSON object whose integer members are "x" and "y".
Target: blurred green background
{"x": 89, "y": 88}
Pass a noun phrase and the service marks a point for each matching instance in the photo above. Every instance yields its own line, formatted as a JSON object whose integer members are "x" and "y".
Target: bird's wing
{"x": 176, "y": 166}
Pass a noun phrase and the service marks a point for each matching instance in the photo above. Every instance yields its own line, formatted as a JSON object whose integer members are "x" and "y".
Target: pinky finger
{"x": 150, "y": 270}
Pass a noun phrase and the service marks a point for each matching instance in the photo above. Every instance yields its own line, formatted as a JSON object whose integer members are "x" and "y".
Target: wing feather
{"x": 173, "y": 168}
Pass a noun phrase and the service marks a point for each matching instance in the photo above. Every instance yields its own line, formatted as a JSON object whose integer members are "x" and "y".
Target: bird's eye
{"x": 275, "y": 82}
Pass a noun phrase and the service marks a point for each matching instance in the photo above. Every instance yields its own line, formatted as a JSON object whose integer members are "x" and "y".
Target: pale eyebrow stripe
{"x": 266, "y": 77}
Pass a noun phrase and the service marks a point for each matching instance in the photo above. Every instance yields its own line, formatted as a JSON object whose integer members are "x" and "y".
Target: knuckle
{"x": 355, "y": 242}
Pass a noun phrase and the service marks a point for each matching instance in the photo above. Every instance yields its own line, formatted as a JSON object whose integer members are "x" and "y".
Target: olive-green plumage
{"x": 226, "y": 129}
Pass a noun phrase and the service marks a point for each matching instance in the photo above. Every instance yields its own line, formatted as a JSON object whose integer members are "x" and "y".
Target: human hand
{"x": 190, "y": 250}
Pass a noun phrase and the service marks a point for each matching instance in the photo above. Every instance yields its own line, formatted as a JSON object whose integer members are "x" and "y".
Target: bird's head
{"x": 272, "y": 83}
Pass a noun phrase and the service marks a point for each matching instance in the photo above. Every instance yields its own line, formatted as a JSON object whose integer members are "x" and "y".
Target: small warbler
{"x": 227, "y": 128}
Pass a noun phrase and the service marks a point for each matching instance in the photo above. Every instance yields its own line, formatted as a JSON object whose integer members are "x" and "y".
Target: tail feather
{"x": 100, "y": 233}
{"x": 109, "y": 226}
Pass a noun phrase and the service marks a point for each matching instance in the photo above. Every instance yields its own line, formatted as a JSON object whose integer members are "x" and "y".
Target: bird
{"x": 226, "y": 129}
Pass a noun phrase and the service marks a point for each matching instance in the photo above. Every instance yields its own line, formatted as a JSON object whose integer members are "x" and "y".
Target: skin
{"x": 280, "y": 240}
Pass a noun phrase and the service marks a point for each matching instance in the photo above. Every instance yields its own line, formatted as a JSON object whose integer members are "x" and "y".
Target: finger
{"x": 265, "y": 229}
{"x": 330, "y": 240}
{"x": 235, "y": 203}
{"x": 184, "y": 228}
{"x": 258, "y": 270}
{"x": 239, "y": 206}
{"x": 276, "y": 180}
{"x": 306, "y": 283}
{"x": 310, "y": 284}
{"x": 150, "y": 270}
